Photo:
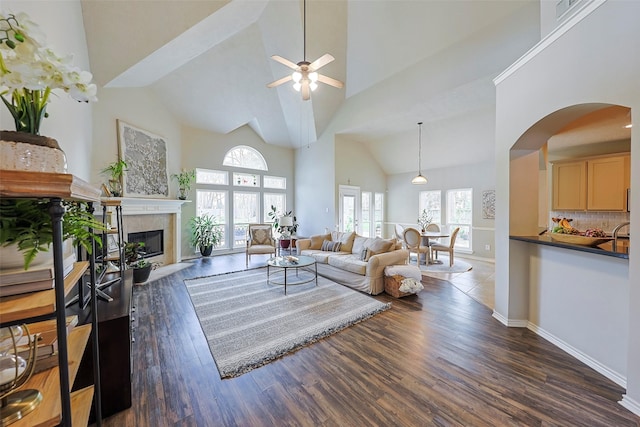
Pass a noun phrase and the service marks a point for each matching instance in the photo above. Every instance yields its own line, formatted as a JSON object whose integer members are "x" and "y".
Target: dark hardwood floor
{"x": 438, "y": 359}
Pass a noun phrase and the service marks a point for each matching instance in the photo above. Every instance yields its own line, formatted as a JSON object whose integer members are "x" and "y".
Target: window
{"x": 378, "y": 213}
{"x": 430, "y": 201}
{"x": 459, "y": 214}
{"x": 238, "y": 198}
{"x": 277, "y": 182}
{"x": 246, "y": 179}
{"x": 246, "y": 157}
{"x": 213, "y": 203}
{"x": 206, "y": 176}
{"x": 272, "y": 199}
{"x": 366, "y": 214}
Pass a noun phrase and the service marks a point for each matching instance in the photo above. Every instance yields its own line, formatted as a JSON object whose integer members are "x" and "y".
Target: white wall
{"x": 595, "y": 61}
{"x": 139, "y": 108}
{"x": 69, "y": 121}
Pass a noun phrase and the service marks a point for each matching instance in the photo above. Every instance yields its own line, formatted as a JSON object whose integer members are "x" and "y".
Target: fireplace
{"x": 153, "y": 242}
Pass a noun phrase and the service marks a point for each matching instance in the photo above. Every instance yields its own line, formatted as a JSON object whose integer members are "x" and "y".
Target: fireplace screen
{"x": 153, "y": 242}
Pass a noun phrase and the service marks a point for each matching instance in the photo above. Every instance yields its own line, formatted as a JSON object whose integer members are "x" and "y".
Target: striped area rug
{"x": 248, "y": 323}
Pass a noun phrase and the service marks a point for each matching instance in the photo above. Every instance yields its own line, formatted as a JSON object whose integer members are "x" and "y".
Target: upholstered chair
{"x": 260, "y": 241}
{"x": 413, "y": 241}
{"x": 435, "y": 248}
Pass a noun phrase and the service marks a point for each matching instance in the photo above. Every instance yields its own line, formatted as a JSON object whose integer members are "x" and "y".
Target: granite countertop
{"x": 622, "y": 247}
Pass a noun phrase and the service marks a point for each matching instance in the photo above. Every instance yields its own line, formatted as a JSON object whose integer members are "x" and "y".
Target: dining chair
{"x": 399, "y": 231}
{"x": 435, "y": 248}
{"x": 413, "y": 241}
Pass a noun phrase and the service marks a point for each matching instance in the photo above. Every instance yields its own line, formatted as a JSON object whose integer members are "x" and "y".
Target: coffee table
{"x": 284, "y": 264}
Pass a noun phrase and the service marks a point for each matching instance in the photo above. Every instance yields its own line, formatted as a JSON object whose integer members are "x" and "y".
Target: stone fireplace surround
{"x": 142, "y": 214}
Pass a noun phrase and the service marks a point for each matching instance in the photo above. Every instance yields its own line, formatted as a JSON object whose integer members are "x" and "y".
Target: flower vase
{"x": 115, "y": 188}
{"x": 182, "y": 193}
{"x": 24, "y": 151}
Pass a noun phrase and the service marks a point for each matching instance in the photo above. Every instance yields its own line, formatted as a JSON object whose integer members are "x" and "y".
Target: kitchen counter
{"x": 622, "y": 250}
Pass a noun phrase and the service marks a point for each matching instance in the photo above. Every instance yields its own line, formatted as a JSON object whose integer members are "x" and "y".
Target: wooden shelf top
{"x": 25, "y": 306}
{"x": 48, "y": 413}
{"x": 19, "y": 184}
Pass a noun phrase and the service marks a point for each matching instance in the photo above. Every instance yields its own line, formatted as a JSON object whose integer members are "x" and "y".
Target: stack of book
{"x": 40, "y": 278}
{"x": 47, "y": 338}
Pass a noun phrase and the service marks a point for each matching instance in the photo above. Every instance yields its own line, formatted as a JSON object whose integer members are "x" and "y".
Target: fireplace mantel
{"x": 149, "y": 206}
{"x": 141, "y": 206}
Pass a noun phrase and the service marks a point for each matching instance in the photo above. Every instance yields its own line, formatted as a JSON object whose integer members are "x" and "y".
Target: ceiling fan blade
{"x": 284, "y": 61}
{"x": 321, "y": 62}
{"x": 330, "y": 81}
{"x": 306, "y": 91}
{"x": 279, "y": 82}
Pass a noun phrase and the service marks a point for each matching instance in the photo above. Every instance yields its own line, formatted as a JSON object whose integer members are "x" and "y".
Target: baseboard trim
{"x": 584, "y": 358}
{"x": 511, "y": 323}
{"x": 630, "y": 404}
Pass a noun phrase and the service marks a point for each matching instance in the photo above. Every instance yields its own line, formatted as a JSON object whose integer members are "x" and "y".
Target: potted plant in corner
{"x": 206, "y": 233}
{"x": 185, "y": 179}
{"x": 115, "y": 171}
{"x": 133, "y": 256}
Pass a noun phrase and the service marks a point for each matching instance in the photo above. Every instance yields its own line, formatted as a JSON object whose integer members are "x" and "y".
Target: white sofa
{"x": 358, "y": 263}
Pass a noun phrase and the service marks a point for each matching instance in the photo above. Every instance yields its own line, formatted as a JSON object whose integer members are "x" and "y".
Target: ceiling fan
{"x": 305, "y": 74}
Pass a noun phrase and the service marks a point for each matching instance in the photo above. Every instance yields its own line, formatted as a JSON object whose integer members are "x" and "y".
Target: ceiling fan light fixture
{"x": 296, "y": 76}
{"x": 313, "y": 85}
{"x": 297, "y": 86}
{"x": 313, "y": 76}
{"x": 419, "y": 179}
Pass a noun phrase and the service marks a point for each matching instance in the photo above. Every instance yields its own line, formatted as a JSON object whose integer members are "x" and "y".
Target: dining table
{"x": 426, "y": 240}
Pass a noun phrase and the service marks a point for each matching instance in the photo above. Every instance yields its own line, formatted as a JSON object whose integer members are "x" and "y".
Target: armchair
{"x": 260, "y": 241}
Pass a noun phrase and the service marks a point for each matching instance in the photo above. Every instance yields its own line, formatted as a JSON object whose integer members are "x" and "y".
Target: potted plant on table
{"x": 285, "y": 224}
{"x": 134, "y": 259}
{"x": 185, "y": 179}
{"x": 29, "y": 72}
{"x": 115, "y": 171}
{"x": 206, "y": 233}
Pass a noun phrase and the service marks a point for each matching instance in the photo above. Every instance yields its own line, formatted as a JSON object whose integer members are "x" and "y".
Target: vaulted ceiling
{"x": 209, "y": 63}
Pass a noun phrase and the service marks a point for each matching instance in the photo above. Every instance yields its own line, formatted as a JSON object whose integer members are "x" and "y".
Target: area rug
{"x": 249, "y": 323}
{"x": 459, "y": 266}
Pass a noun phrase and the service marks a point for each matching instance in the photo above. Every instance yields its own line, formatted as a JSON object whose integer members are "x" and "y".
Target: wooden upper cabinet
{"x": 606, "y": 184}
{"x": 597, "y": 184}
{"x": 570, "y": 186}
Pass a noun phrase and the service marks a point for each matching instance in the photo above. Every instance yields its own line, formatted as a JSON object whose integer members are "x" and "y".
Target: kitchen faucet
{"x": 615, "y": 233}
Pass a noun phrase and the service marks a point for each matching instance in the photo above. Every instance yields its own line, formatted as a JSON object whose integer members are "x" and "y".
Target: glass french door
{"x": 349, "y": 208}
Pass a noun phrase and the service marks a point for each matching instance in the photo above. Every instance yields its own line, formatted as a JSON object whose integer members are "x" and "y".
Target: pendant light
{"x": 419, "y": 179}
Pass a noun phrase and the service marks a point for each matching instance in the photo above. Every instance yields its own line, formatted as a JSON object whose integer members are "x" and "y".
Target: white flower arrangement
{"x": 29, "y": 71}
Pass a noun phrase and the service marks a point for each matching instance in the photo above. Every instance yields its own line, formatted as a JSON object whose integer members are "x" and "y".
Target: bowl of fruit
{"x": 564, "y": 232}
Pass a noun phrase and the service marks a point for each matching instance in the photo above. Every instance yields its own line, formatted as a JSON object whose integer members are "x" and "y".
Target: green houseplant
{"x": 206, "y": 233}
{"x": 26, "y": 224}
{"x": 115, "y": 171}
{"x": 275, "y": 217}
{"x": 133, "y": 257}
{"x": 185, "y": 179}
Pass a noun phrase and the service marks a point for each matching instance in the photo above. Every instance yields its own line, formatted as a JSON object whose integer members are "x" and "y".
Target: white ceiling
{"x": 209, "y": 63}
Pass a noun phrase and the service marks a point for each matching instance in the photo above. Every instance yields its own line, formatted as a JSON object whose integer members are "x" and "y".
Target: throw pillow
{"x": 260, "y": 236}
{"x": 363, "y": 254}
{"x": 345, "y": 238}
{"x": 378, "y": 246}
{"x": 316, "y": 241}
{"x": 330, "y": 246}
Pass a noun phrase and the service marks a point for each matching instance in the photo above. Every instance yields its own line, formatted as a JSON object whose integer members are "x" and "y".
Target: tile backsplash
{"x": 583, "y": 220}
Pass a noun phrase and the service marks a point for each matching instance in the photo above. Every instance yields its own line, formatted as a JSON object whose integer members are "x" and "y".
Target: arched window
{"x": 243, "y": 156}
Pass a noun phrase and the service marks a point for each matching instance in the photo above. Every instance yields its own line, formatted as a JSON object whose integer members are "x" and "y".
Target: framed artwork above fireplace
{"x": 146, "y": 156}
